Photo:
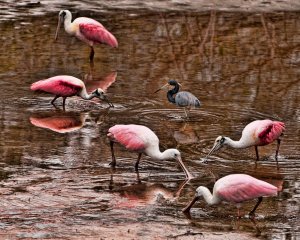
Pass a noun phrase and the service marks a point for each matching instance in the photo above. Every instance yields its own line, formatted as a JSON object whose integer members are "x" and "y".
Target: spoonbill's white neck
{"x": 155, "y": 153}
{"x": 171, "y": 153}
{"x": 83, "y": 94}
{"x": 208, "y": 197}
{"x": 237, "y": 144}
{"x": 67, "y": 22}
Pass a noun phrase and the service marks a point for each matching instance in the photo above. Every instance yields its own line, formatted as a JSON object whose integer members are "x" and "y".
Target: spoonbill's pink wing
{"x": 128, "y": 136}
{"x": 270, "y": 131}
{"x": 240, "y": 187}
{"x": 59, "y": 85}
{"x": 97, "y": 34}
{"x": 103, "y": 83}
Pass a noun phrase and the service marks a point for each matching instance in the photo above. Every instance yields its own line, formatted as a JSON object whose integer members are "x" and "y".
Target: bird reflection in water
{"x": 144, "y": 193}
{"x": 59, "y": 121}
{"x": 185, "y": 135}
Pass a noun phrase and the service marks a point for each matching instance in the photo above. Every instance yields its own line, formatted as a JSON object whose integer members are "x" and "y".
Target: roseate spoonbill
{"x": 141, "y": 139}
{"x": 256, "y": 133}
{"x": 182, "y": 99}
{"x": 60, "y": 122}
{"x": 85, "y": 29}
{"x": 67, "y": 86}
{"x": 235, "y": 188}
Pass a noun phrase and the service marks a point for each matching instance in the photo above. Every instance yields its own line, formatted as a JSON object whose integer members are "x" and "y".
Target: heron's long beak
{"x": 215, "y": 148}
{"x": 60, "y": 20}
{"x": 189, "y": 206}
{"x": 188, "y": 175}
{"x": 161, "y": 87}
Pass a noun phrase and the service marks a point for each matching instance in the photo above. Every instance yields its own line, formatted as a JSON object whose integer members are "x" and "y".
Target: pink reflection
{"x": 142, "y": 194}
{"x": 61, "y": 122}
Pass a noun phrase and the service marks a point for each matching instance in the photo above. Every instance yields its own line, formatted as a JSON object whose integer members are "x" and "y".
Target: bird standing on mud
{"x": 141, "y": 139}
{"x": 67, "y": 86}
{"x": 182, "y": 99}
{"x": 256, "y": 133}
{"x": 87, "y": 30}
{"x": 235, "y": 188}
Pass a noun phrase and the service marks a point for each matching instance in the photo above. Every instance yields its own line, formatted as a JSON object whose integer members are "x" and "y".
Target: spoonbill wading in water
{"x": 67, "y": 86}
{"x": 235, "y": 188}
{"x": 256, "y": 133}
{"x": 141, "y": 139}
{"x": 181, "y": 99}
{"x": 85, "y": 29}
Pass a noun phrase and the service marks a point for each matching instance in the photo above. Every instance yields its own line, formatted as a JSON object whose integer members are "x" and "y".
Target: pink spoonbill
{"x": 235, "y": 188}
{"x": 141, "y": 139}
{"x": 67, "y": 86}
{"x": 85, "y": 29}
{"x": 256, "y": 133}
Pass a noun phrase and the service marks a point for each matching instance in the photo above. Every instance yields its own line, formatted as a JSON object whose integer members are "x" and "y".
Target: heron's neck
{"x": 83, "y": 94}
{"x": 173, "y": 91}
{"x": 237, "y": 144}
{"x": 208, "y": 197}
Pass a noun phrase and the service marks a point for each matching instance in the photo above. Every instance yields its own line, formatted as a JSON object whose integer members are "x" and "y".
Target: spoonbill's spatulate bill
{"x": 67, "y": 86}
{"x": 256, "y": 133}
{"x": 87, "y": 30}
{"x": 234, "y": 188}
{"x": 181, "y": 99}
{"x": 141, "y": 139}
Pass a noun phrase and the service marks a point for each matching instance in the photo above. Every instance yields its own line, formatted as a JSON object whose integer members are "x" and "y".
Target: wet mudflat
{"x": 57, "y": 182}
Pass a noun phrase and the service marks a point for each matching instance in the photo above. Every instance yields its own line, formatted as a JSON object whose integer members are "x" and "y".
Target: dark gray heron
{"x": 182, "y": 99}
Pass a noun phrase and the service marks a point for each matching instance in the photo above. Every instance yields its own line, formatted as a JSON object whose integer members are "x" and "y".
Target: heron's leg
{"x": 52, "y": 102}
{"x": 256, "y": 151}
{"x": 92, "y": 53}
{"x": 113, "y": 162}
{"x": 251, "y": 214}
{"x": 64, "y": 102}
{"x": 137, "y": 162}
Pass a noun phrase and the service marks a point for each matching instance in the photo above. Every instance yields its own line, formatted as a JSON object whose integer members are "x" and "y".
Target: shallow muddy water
{"x": 56, "y": 181}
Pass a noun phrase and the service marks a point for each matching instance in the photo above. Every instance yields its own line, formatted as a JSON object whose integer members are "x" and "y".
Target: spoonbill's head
{"x": 172, "y": 154}
{"x": 175, "y": 154}
{"x": 99, "y": 93}
{"x": 219, "y": 143}
{"x": 62, "y": 15}
{"x": 198, "y": 195}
